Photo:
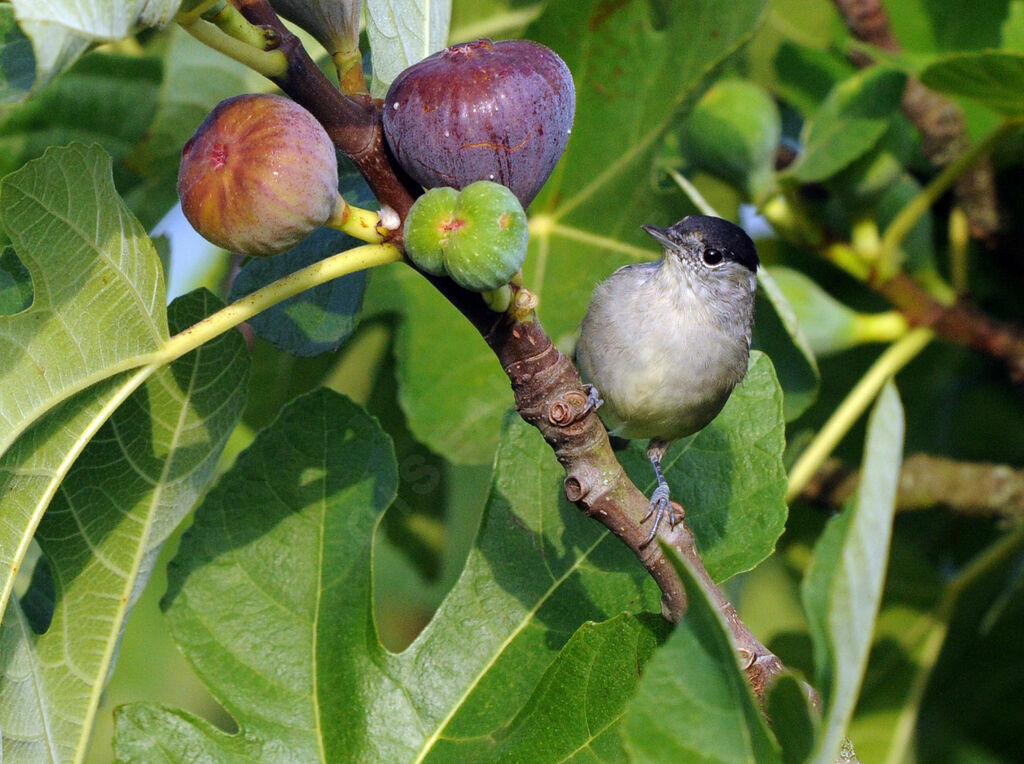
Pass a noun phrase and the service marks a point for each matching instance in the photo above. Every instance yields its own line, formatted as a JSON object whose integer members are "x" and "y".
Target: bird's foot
{"x": 660, "y": 506}
{"x": 594, "y": 401}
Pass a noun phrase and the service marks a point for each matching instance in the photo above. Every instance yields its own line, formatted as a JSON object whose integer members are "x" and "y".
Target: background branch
{"x": 970, "y": 488}
{"x": 939, "y": 120}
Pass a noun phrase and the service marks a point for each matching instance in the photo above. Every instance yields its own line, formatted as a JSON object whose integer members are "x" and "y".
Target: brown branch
{"x": 939, "y": 120}
{"x": 969, "y": 488}
{"x": 546, "y": 384}
{"x": 961, "y": 324}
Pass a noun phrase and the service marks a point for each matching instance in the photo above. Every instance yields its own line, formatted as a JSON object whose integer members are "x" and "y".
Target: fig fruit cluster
{"x": 259, "y": 175}
{"x": 483, "y": 110}
{"x": 478, "y": 235}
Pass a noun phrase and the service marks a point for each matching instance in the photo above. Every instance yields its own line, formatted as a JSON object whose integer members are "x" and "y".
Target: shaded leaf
{"x": 401, "y": 33}
{"x": 586, "y": 220}
{"x": 992, "y": 78}
{"x": 729, "y": 476}
{"x": 15, "y": 284}
{"x": 17, "y": 62}
{"x": 317, "y": 320}
{"x": 694, "y": 703}
{"x": 734, "y": 133}
{"x": 132, "y": 485}
{"x": 843, "y": 586}
{"x": 848, "y": 123}
{"x": 271, "y": 597}
{"x": 779, "y": 333}
{"x": 793, "y": 717}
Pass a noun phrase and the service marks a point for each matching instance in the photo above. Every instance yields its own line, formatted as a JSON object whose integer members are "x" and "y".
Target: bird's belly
{"x": 671, "y": 385}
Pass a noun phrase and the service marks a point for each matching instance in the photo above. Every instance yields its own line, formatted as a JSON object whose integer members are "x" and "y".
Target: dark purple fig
{"x": 497, "y": 111}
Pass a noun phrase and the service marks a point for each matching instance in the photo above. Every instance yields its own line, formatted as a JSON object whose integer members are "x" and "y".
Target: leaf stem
{"x": 896, "y": 356}
{"x": 907, "y": 217}
{"x": 269, "y": 63}
{"x": 350, "y": 261}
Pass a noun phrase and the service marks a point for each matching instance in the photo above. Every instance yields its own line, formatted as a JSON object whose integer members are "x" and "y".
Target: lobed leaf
{"x": 61, "y": 30}
{"x": 131, "y": 486}
{"x": 271, "y": 599}
{"x": 97, "y": 312}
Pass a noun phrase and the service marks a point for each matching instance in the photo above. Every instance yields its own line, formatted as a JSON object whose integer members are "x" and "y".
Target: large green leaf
{"x": 729, "y": 477}
{"x": 97, "y": 312}
{"x": 270, "y": 598}
{"x": 132, "y": 485}
{"x": 636, "y": 68}
{"x": 402, "y": 32}
{"x": 694, "y": 703}
{"x": 992, "y": 78}
{"x": 843, "y": 586}
{"x": 61, "y": 30}
{"x": 99, "y": 291}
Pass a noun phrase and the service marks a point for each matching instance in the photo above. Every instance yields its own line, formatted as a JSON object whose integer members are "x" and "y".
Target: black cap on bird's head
{"x": 714, "y": 234}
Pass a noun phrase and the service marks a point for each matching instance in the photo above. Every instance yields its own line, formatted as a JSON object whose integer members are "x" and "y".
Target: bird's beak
{"x": 661, "y": 234}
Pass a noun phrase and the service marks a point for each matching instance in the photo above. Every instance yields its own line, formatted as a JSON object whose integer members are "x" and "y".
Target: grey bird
{"x": 664, "y": 343}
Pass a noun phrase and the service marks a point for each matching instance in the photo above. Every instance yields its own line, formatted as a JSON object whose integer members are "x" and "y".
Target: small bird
{"x": 664, "y": 343}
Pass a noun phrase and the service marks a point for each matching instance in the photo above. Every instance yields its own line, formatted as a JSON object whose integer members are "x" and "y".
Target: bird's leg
{"x": 660, "y": 503}
{"x": 594, "y": 401}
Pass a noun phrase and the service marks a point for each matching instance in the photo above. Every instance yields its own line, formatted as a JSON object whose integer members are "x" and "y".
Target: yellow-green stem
{"x": 959, "y": 243}
{"x": 907, "y": 217}
{"x": 269, "y": 63}
{"x": 230, "y": 316}
{"x": 854, "y": 405}
{"x": 230, "y": 21}
{"x": 358, "y": 223}
{"x": 691, "y": 191}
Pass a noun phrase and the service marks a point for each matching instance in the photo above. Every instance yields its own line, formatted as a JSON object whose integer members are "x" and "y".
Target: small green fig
{"x": 478, "y": 236}
{"x": 259, "y": 175}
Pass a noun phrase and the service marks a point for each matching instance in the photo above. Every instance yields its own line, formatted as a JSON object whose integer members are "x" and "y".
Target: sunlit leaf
{"x": 132, "y": 485}
{"x": 403, "y": 32}
{"x": 843, "y": 586}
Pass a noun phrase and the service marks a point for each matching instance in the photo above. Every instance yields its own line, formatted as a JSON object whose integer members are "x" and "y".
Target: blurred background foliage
{"x": 810, "y": 151}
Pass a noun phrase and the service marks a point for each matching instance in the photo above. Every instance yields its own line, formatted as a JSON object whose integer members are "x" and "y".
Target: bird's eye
{"x": 713, "y": 257}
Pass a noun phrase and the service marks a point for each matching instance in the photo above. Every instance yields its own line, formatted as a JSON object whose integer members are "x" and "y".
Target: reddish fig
{"x": 498, "y": 111}
{"x": 478, "y": 236}
{"x": 259, "y": 175}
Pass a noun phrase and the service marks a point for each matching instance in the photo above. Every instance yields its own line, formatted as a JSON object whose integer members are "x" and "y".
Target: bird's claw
{"x": 660, "y": 505}
{"x": 594, "y": 401}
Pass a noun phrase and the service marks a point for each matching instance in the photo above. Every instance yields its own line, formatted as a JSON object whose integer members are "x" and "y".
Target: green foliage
{"x": 393, "y": 573}
{"x": 695, "y": 675}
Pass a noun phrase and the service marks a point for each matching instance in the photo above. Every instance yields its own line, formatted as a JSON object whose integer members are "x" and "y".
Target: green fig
{"x": 477, "y": 236}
